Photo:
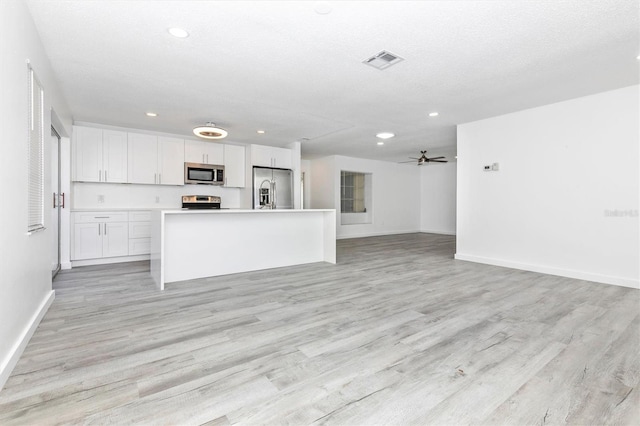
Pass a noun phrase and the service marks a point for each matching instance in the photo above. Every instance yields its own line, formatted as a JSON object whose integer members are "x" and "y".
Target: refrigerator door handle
{"x": 275, "y": 195}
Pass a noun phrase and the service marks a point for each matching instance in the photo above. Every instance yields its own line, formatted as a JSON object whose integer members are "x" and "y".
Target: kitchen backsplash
{"x": 106, "y": 196}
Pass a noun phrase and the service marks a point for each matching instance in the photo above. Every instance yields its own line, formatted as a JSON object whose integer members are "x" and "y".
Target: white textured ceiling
{"x": 284, "y": 68}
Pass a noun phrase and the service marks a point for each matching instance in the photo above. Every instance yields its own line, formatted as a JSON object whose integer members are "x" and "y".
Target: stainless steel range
{"x": 201, "y": 202}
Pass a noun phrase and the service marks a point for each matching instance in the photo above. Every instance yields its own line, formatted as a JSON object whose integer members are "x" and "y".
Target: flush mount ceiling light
{"x": 178, "y": 32}
{"x": 385, "y": 135}
{"x": 380, "y": 143}
{"x": 151, "y": 114}
{"x": 433, "y": 114}
{"x": 261, "y": 132}
{"x": 210, "y": 131}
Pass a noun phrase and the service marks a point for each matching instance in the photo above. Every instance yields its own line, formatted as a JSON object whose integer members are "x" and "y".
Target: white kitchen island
{"x": 189, "y": 244}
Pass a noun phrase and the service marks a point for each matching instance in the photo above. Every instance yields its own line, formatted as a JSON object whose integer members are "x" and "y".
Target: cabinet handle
{"x": 105, "y": 176}
{"x": 160, "y": 178}
{"x": 54, "y": 200}
{"x": 99, "y": 230}
{"x": 62, "y": 205}
{"x": 99, "y": 175}
{"x": 155, "y": 178}
{"x": 101, "y": 217}
{"x": 105, "y": 229}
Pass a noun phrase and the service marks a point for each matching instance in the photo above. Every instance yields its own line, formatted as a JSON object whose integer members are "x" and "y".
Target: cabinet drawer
{"x": 139, "y": 229}
{"x": 102, "y": 217}
{"x": 139, "y": 246}
{"x": 140, "y": 216}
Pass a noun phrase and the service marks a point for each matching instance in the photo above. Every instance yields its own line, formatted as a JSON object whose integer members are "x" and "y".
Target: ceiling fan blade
{"x": 436, "y": 158}
{"x": 438, "y": 161}
{"x": 410, "y": 161}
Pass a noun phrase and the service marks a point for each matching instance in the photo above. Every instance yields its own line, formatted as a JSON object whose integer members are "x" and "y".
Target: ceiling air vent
{"x": 383, "y": 60}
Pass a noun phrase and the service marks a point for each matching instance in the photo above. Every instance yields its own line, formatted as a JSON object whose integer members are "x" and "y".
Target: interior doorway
{"x": 57, "y": 201}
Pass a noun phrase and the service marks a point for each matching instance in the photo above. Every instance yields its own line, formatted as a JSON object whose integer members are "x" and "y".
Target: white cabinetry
{"x": 100, "y": 234}
{"x": 139, "y": 232}
{"x": 269, "y": 156}
{"x": 99, "y": 155}
{"x": 204, "y": 152}
{"x": 234, "y": 166}
{"x": 156, "y": 160}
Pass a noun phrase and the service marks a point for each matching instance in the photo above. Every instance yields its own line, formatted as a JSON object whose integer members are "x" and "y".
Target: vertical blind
{"x": 36, "y": 154}
{"x": 352, "y": 192}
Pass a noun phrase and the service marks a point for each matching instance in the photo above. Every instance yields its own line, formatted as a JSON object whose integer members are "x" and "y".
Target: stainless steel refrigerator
{"x": 272, "y": 188}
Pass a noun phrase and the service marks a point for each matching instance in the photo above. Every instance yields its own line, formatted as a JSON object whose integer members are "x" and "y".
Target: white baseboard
{"x": 65, "y": 265}
{"x": 16, "y": 351}
{"x": 569, "y": 273}
{"x": 108, "y": 260}
{"x": 437, "y": 231}
{"x": 374, "y": 234}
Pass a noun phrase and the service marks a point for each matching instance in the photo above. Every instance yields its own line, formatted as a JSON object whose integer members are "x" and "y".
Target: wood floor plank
{"x": 397, "y": 332}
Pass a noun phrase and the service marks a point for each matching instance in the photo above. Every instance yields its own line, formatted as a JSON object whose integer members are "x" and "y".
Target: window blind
{"x": 36, "y": 154}
{"x": 352, "y": 192}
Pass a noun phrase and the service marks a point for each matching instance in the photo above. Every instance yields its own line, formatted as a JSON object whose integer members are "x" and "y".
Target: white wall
{"x": 438, "y": 198}
{"x": 128, "y": 196}
{"x": 25, "y": 286}
{"x": 562, "y": 168}
{"x": 395, "y": 195}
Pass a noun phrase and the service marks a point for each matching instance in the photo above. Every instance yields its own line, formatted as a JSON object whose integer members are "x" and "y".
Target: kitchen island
{"x": 189, "y": 244}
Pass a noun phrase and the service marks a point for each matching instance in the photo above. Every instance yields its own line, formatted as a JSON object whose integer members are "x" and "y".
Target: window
{"x": 36, "y": 154}
{"x": 352, "y": 192}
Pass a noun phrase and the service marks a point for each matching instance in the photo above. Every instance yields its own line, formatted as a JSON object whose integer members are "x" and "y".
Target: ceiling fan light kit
{"x": 210, "y": 131}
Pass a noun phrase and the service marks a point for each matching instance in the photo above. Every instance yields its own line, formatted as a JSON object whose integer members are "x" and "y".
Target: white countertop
{"x": 240, "y": 211}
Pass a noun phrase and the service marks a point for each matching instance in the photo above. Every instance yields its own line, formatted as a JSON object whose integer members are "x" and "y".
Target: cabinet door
{"x": 87, "y": 240}
{"x": 114, "y": 154}
{"x": 194, "y": 152}
{"x": 214, "y": 153}
{"x": 115, "y": 239}
{"x": 87, "y": 148}
{"x": 143, "y": 158}
{"x": 170, "y": 161}
{"x": 281, "y": 158}
{"x": 261, "y": 156}
{"x": 234, "y": 166}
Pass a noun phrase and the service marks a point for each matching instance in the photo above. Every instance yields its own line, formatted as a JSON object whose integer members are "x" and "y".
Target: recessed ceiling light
{"x": 178, "y": 32}
{"x": 261, "y": 132}
{"x": 433, "y": 114}
{"x": 151, "y": 114}
{"x": 322, "y": 8}
{"x": 385, "y": 135}
{"x": 380, "y": 143}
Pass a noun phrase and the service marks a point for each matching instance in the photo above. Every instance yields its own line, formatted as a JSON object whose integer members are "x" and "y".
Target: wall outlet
{"x": 101, "y": 199}
{"x": 157, "y": 199}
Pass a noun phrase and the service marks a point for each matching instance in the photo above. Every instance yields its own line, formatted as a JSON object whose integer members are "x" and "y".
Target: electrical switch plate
{"x": 487, "y": 168}
{"x": 101, "y": 198}
{"x": 495, "y": 167}
{"x": 157, "y": 199}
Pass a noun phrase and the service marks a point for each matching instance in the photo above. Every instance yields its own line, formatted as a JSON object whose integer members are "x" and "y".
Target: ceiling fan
{"x": 423, "y": 159}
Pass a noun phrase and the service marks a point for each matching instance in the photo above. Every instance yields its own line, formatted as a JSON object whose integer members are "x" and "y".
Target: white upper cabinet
{"x": 156, "y": 160}
{"x": 269, "y": 156}
{"x": 99, "y": 155}
{"x": 234, "y": 166}
{"x": 114, "y": 156}
{"x": 204, "y": 152}
{"x": 170, "y": 161}
{"x": 143, "y": 158}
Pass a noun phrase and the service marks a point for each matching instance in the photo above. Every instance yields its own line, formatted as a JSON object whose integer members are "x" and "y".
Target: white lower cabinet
{"x": 105, "y": 234}
{"x": 100, "y": 234}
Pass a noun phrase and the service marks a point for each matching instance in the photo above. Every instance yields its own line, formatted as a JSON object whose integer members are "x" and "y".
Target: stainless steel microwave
{"x": 204, "y": 174}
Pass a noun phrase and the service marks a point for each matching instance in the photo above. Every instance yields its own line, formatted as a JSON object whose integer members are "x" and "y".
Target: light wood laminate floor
{"x": 396, "y": 333}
